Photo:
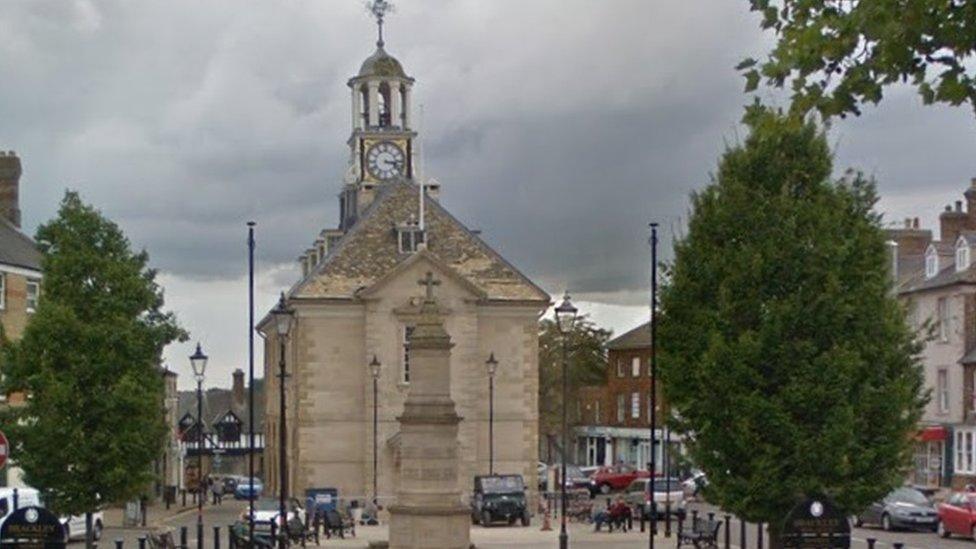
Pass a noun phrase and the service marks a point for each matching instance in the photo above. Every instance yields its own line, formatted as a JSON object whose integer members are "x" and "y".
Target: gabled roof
{"x": 968, "y": 236}
{"x": 369, "y": 251}
{"x": 638, "y": 338}
{"x": 18, "y": 249}
{"x": 217, "y": 402}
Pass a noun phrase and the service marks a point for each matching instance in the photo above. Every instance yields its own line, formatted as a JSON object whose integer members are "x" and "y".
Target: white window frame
{"x": 31, "y": 301}
{"x": 942, "y": 390}
{"x": 3, "y": 290}
{"x": 635, "y": 405}
{"x": 621, "y": 407}
{"x": 962, "y": 254}
{"x": 635, "y": 367}
{"x": 620, "y": 367}
{"x": 931, "y": 263}
{"x": 405, "y": 355}
{"x": 942, "y": 312}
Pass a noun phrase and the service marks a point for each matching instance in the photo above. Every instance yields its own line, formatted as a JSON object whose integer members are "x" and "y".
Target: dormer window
{"x": 410, "y": 237}
{"x": 931, "y": 262}
{"x": 962, "y": 254}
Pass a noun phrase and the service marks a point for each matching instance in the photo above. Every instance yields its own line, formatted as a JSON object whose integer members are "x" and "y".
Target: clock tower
{"x": 381, "y": 144}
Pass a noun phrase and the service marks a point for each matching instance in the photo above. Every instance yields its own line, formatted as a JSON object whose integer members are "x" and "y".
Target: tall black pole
{"x": 282, "y": 453}
{"x": 653, "y": 445}
{"x": 200, "y": 493}
{"x": 666, "y": 457}
{"x": 491, "y": 424}
{"x": 375, "y": 434}
{"x": 250, "y": 376}
{"x": 563, "y": 536}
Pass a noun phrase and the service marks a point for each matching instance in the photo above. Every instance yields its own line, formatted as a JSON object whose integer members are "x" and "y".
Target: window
{"x": 962, "y": 255}
{"x": 405, "y": 362}
{"x": 635, "y": 406}
{"x": 943, "y": 391}
{"x": 410, "y": 238}
{"x": 621, "y": 409}
{"x": 3, "y": 291}
{"x": 635, "y": 367}
{"x": 943, "y": 312}
{"x": 620, "y": 368}
{"x": 33, "y": 293}
{"x": 931, "y": 263}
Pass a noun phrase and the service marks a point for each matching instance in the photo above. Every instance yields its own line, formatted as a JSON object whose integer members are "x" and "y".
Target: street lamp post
{"x": 565, "y": 319}
{"x": 374, "y": 370}
{"x": 492, "y": 365}
{"x": 653, "y": 414}
{"x": 283, "y": 316}
{"x": 198, "y": 361}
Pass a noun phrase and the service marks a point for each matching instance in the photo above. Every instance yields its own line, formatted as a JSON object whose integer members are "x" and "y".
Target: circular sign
{"x": 4, "y": 450}
{"x": 816, "y": 509}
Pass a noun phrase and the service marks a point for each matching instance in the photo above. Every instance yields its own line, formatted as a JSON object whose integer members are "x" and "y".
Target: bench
{"x": 703, "y": 533}
{"x": 335, "y": 524}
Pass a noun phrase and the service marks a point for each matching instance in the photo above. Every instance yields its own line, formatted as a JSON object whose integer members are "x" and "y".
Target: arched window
{"x": 364, "y": 105}
{"x": 962, "y": 255}
{"x": 384, "y": 105}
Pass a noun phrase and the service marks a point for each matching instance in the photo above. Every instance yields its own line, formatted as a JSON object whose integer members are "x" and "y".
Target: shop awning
{"x": 933, "y": 433}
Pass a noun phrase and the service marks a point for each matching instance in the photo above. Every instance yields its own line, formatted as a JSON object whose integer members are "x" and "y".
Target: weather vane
{"x": 379, "y": 9}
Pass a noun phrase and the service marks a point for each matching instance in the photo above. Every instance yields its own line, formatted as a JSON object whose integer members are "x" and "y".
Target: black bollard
{"x": 183, "y": 492}
{"x": 118, "y": 543}
{"x": 899, "y": 546}
{"x": 216, "y": 537}
{"x": 142, "y": 542}
{"x": 759, "y": 533}
{"x": 681, "y": 523}
{"x": 667, "y": 520}
{"x": 694, "y": 517}
{"x": 231, "y": 541}
{"x": 643, "y": 517}
{"x": 728, "y": 531}
{"x": 871, "y": 542}
{"x": 183, "y": 543}
{"x": 742, "y": 534}
{"x": 274, "y": 532}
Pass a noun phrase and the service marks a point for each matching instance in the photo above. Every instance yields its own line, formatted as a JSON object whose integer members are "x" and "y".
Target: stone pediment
{"x": 368, "y": 254}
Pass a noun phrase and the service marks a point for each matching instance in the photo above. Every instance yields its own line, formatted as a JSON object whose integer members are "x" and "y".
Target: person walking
{"x": 217, "y": 489}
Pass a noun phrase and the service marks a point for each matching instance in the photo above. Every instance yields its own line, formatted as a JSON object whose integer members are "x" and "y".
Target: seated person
{"x": 600, "y": 515}
{"x": 619, "y": 514}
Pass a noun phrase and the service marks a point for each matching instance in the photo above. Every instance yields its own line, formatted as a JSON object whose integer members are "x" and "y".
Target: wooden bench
{"x": 703, "y": 533}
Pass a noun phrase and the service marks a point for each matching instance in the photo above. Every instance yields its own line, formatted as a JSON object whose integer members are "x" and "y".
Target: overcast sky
{"x": 558, "y": 127}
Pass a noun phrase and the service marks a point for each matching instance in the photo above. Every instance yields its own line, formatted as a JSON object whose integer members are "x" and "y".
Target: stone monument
{"x": 428, "y": 512}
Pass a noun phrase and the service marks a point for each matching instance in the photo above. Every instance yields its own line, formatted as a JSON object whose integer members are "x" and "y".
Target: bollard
{"x": 142, "y": 542}
{"x": 728, "y": 531}
{"x": 643, "y": 517}
{"x": 871, "y": 542}
{"x": 667, "y": 520}
{"x": 899, "y": 546}
{"x": 274, "y": 531}
{"x": 183, "y": 543}
{"x": 694, "y": 517}
{"x": 183, "y": 492}
{"x": 216, "y": 537}
{"x": 681, "y": 523}
{"x": 759, "y": 533}
{"x": 742, "y": 534}
{"x": 231, "y": 542}
{"x": 118, "y": 543}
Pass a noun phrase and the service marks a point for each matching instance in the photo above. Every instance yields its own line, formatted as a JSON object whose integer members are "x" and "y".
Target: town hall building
{"x": 358, "y": 298}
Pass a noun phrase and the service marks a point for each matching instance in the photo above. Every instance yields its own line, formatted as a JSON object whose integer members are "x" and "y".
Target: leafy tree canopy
{"x": 783, "y": 351}
{"x": 89, "y": 361}
{"x": 837, "y": 54}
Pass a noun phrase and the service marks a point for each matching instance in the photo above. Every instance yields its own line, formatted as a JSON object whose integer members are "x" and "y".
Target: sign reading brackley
{"x": 816, "y": 524}
{"x": 32, "y": 528}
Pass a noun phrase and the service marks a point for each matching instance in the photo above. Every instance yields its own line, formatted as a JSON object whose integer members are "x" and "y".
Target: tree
{"x": 89, "y": 361}
{"x": 783, "y": 351}
{"x": 586, "y": 361}
{"x": 837, "y": 54}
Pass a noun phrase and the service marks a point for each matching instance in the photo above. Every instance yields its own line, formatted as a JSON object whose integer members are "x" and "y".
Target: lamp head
{"x": 283, "y": 316}
{"x": 374, "y": 367}
{"x": 566, "y": 315}
{"x": 492, "y": 365}
{"x": 199, "y": 362}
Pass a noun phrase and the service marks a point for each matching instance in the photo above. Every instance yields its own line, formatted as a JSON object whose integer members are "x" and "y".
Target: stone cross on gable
{"x": 429, "y": 282}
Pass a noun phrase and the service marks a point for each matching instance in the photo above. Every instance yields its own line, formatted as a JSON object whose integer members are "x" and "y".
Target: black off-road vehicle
{"x": 499, "y": 498}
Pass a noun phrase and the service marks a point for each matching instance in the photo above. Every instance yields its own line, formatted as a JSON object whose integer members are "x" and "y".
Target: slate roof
{"x": 369, "y": 251}
{"x": 638, "y": 338}
{"x": 218, "y": 401}
{"x": 18, "y": 249}
{"x": 947, "y": 276}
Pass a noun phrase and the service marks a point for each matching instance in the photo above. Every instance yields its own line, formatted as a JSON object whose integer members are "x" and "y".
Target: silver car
{"x": 666, "y": 491}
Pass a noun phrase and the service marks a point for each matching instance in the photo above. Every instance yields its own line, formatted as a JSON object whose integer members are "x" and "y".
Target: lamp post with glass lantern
{"x": 283, "y": 316}
{"x": 565, "y": 319}
{"x": 374, "y": 370}
{"x": 198, "y": 361}
{"x": 492, "y": 366}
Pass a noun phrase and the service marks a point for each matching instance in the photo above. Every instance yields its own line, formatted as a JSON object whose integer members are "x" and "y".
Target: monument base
{"x": 430, "y": 528}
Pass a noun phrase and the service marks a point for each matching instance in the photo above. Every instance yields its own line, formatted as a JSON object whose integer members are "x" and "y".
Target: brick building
{"x": 614, "y": 417}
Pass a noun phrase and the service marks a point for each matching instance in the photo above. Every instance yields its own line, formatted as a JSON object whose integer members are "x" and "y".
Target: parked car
{"x": 638, "y": 494}
{"x": 499, "y": 497}
{"x": 958, "y": 516}
{"x": 74, "y": 526}
{"x": 267, "y": 511}
{"x": 617, "y": 477}
{"x": 243, "y": 488}
{"x": 903, "y": 508}
{"x": 576, "y": 478}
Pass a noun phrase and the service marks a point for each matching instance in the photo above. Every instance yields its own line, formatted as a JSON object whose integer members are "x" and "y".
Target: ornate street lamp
{"x": 565, "y": 319}
{"x": 492, "y": 366}
{"x": 283, "y": 318}
{"x": 374, "y": 370}
{"x": 653, "y": 413}
{"x": 198, "y": 361}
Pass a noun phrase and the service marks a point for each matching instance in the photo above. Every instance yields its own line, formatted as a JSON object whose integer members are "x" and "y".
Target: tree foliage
{"x": 89, "y": 361}
{"x": 837, "y": 54}
{"x": 783, "y": 351}
{"x": 586, "y": 361}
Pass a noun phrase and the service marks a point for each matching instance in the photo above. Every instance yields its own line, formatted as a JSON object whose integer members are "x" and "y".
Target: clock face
{"x": 385, "y": 160}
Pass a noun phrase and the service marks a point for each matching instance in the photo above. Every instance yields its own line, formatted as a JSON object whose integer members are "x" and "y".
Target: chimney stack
{"x": 238, "y": 389}
{"x": 10, "y": 171}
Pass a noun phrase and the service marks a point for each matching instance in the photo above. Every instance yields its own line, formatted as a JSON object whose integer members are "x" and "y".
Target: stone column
{"x": 373, "y": 102}
{"x": 406, "y": 107}
{"x": 428, "y": 512}
{"x": 395, "y": 103}
{"x": 357, "y": 109}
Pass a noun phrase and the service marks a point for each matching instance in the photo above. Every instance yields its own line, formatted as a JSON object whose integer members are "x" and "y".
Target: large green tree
{"x": 837, "y": 54}
{"x": 89, "y": 361}
{"x": 783, "y": 350}
{"x": 586, "y": 365}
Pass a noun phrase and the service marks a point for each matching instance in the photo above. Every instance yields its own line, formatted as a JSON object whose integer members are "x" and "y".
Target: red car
{"x": 958, "y": 515}
{"x": 617, "y": 477}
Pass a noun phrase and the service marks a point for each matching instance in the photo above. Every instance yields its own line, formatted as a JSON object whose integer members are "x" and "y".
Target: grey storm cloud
{"x": 558, "y": 127}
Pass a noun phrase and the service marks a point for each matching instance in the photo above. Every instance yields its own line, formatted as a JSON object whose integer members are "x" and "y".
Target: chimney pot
{"x": 237, "y": 389}
{"x": 10, "y": 172}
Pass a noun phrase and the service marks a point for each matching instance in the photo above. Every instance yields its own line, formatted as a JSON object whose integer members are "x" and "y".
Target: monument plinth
{"x": 428, "y": 512}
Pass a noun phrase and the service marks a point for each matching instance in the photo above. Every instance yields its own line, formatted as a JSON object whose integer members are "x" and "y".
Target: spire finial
{"x": 379, "y": 9}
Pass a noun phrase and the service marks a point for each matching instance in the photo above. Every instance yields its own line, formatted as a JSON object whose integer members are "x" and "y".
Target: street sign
{"x": 816, "y": 524}
{"x": 4, "y": 450}
{"x": 32, "y": 528}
